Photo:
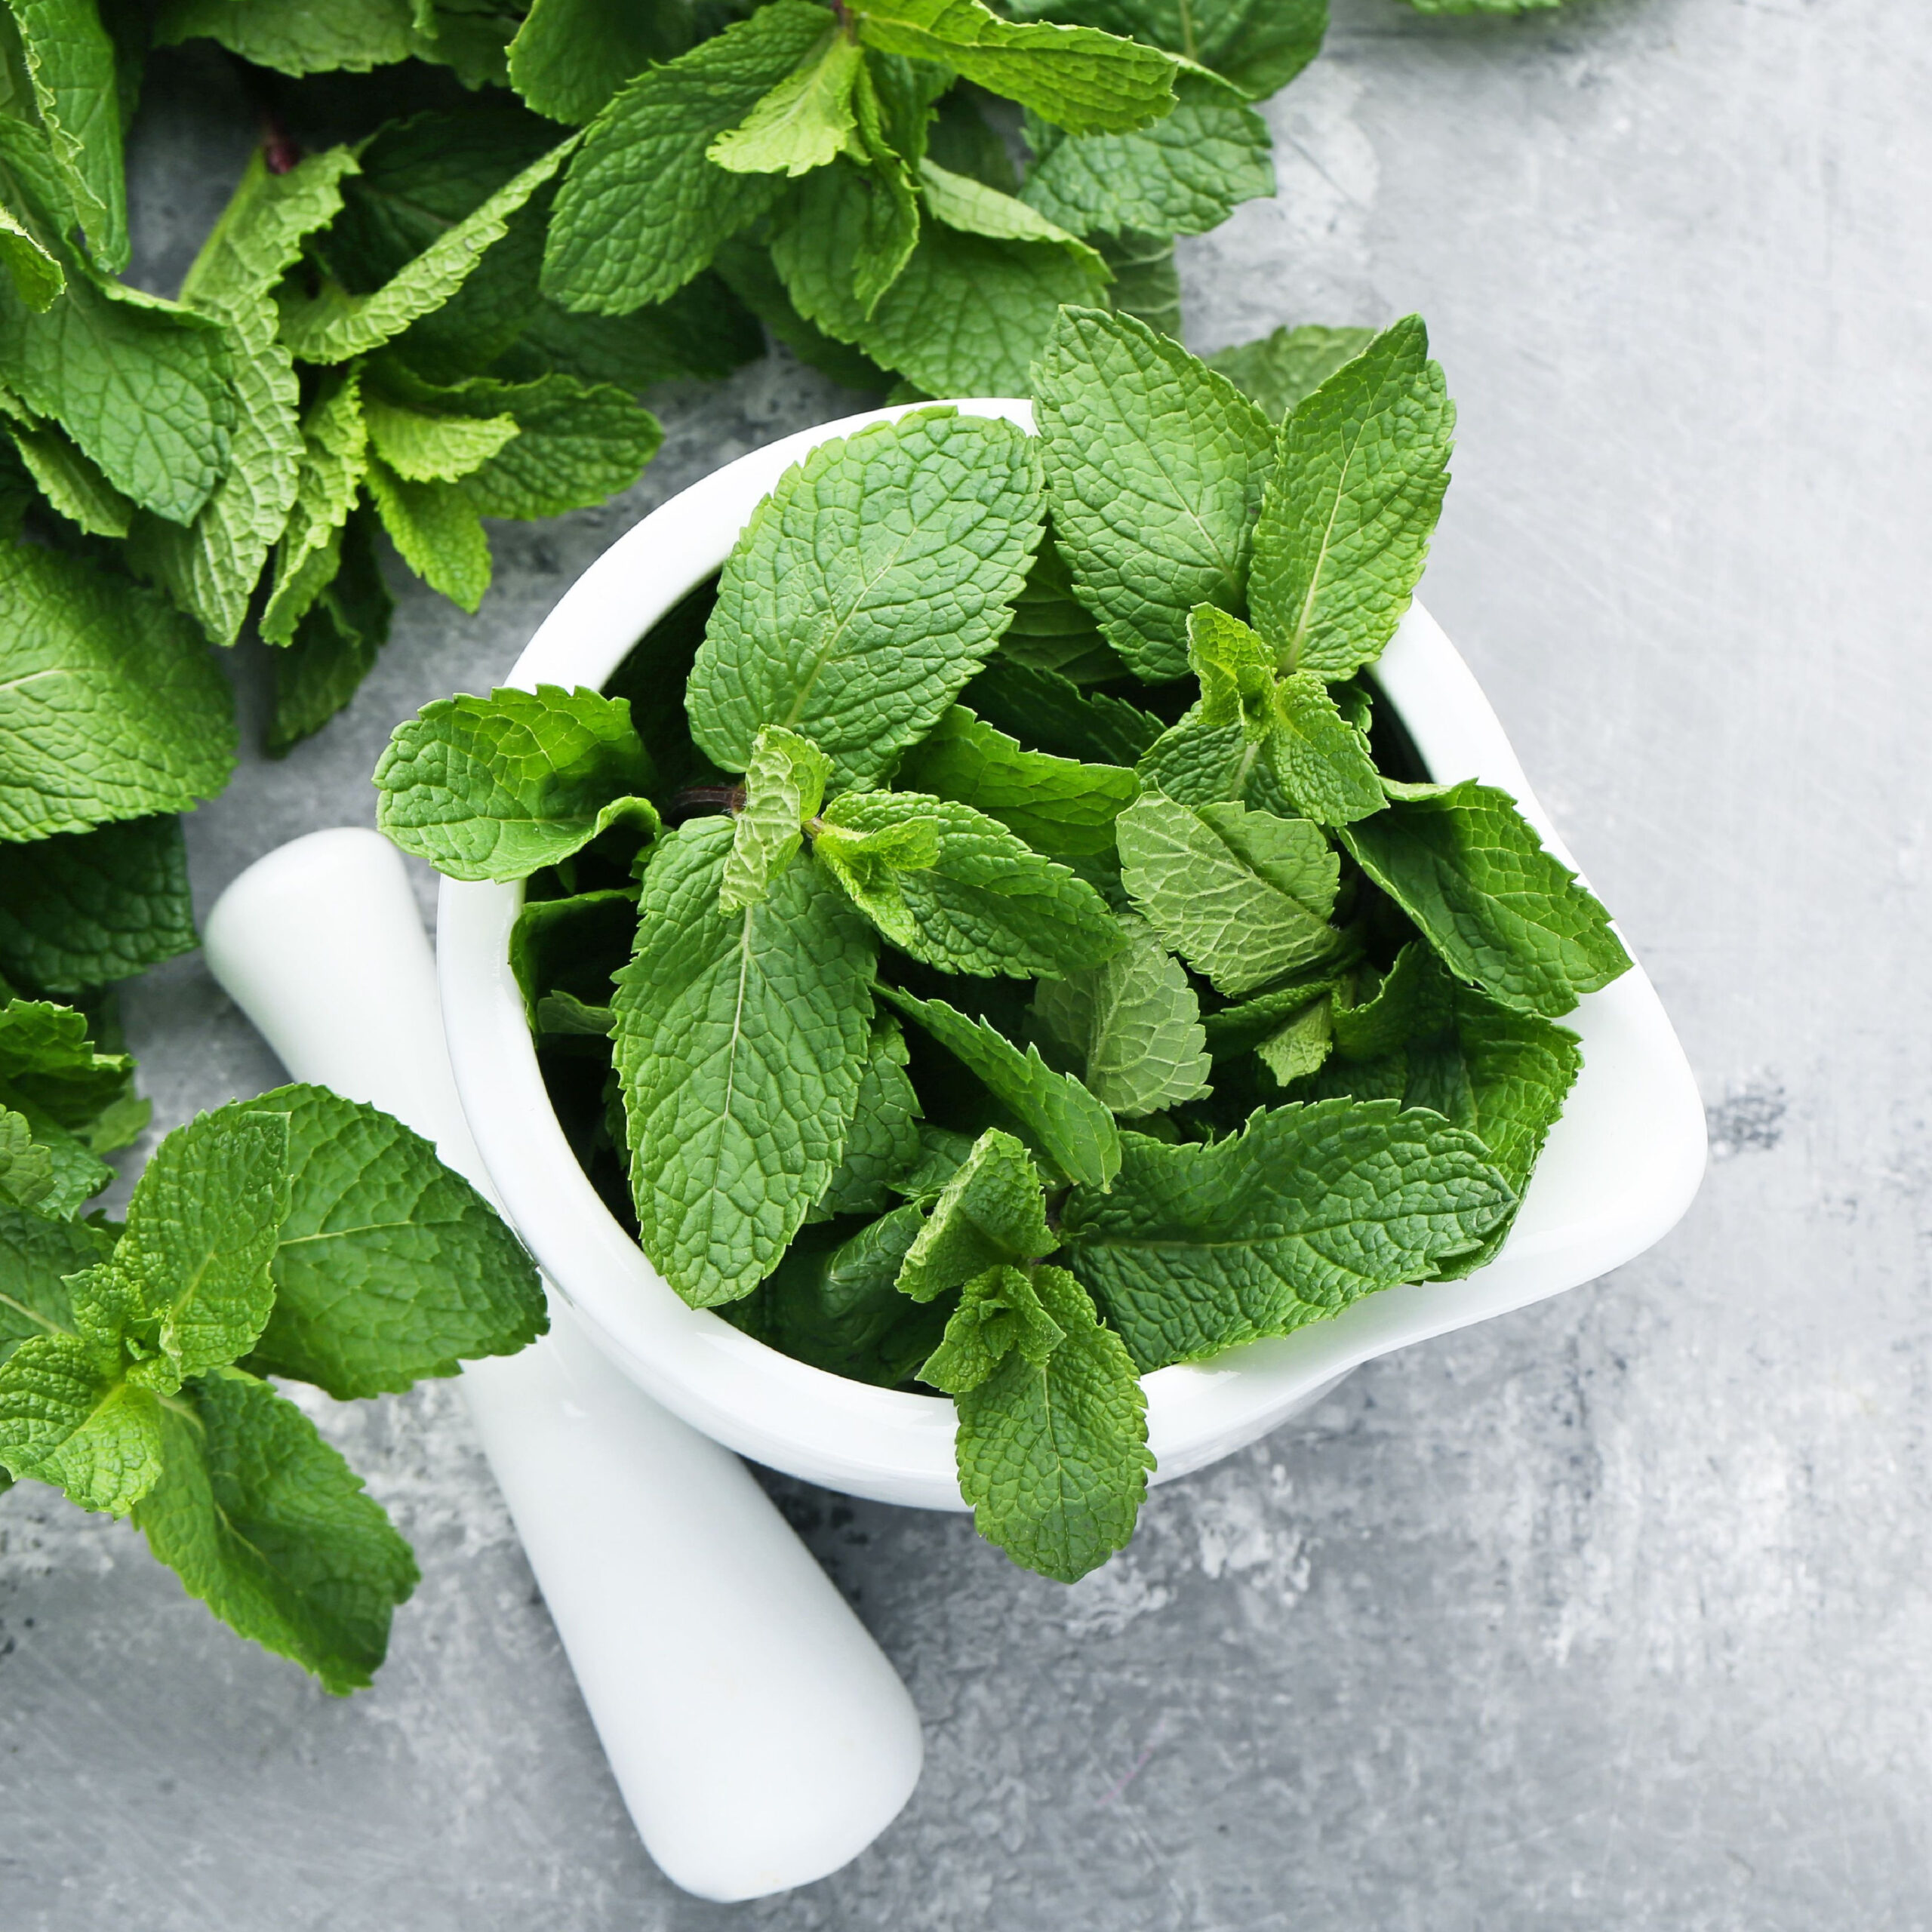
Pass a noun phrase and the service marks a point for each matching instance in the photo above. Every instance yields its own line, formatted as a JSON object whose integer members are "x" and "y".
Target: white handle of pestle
{"x": 759, "y": 1735}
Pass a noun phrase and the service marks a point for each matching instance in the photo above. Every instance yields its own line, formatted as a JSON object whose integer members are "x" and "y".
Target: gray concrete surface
{"x": 1610, "y": 1615}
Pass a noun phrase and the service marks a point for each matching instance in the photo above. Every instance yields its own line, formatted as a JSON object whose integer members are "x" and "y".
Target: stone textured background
{"x": 1613, "y": 1614}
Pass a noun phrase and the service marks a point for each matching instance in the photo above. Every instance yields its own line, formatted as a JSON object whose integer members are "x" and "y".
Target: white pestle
{"x": 759, "y": 1735}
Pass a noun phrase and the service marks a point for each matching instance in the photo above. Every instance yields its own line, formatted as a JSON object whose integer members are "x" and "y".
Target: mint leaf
{"x": 202, "y": 1228}
{"x": 83, "y": 909}
{"x": 749, "y": 270}
{"x": 832, "y": 1304}
{"x": 578, "y": 443}
{"x": 1182, "y": 176}
{"x": 37, "y": 1255}
{"x": 1500, "y": 911}
{"x": 388, "y": 1267}
{"x": 1057, "y": 805}
{"x": 741, "y": 1041}
{"x": 784, "y": 787}
{"x": 973, "y": 208}
{"x": 1052, "y": 1455}
{"x": 883, "y": 1144}
{"x": 1242, "y": 896}
{"x": 268, "y": 1526}
{"x": 110, "y": 706}
{"x": 1195, "y": 763}
{"x": 329, "y": 472}
{"x": 1359, "y": 476}
{"x": 46, "y": 1056}
{"x": 141, "y": 384}
{"x": 421, "y": 447}
{"x": 495, "y": 787}
{"x": 335, "y": 645}
{"x": 56, "y": 1173}
{"x": 998, "y": 1311}
{"x": 68, "y": 1417}
{"x": 1260, "y": 45}
{"x": 333, "y": 325}
{"x": 802, "y": 122}
{"x": 1307, "y": 1208}
{"x": 36, "y": 275}
{"x": 210, "y": 568}
{"x": 1071, "y": 76}
{"x": 26, "y": 1168}
{"x": 990, "y": 1213}
{"x": 1053, "y": 1113}
{"x": 867, "y": 588}
{"x": 436, "y": 529}
{"x": 569, "y": 57}
{"x": 1278, "y": 370}
{"x": 70, "y": 64}
{"x": 1052, "y": 713}
{"x": 1146, "y": 284}
{"x": 72, "y": 485}
{"x": 1132, "y": 1026}
{"x": 293, "y": 37}
{"x": 1154, "y": 467}
{"x": 984, "y": 903}
{"x": 642, "y": 209}
{"x": 967, "y": 315}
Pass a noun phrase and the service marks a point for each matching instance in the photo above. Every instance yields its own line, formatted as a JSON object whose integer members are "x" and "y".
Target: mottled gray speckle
{"x": 1610, "y": 1617}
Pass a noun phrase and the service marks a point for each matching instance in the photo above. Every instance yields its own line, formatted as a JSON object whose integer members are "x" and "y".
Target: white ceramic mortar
{"x": 1619, "y": 1170}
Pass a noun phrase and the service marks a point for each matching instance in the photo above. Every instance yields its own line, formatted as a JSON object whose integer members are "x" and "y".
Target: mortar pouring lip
{"x": 1619, "y": 1170}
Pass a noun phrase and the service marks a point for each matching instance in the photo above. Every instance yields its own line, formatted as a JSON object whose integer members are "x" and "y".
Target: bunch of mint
{"x": 1066, "y": 750}
{"x": 300, "y": 1235}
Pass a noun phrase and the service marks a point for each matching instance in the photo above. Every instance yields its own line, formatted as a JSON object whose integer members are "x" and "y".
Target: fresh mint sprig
{"x": 1202, "y": 1048}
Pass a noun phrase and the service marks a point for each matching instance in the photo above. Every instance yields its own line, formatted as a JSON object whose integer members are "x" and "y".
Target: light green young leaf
{"x": 869, "y": 866}
{"x": 991, "y": 1213}
{"x": 1242, "y": 896}
{"x": 69, "y": 1417}
{"x": 202, "y": 1228}
{"x": 293, "y": 36}
{"x": 435, "y": 528}
{"x": 803, "y": 122}
{"x": 1182, "y": 176}
{"x": 72, "y": 485}
{"x": 110, "y": 706}
{"x": 867, "y": 588}
{"x": 1320, "y": 761}
{"x": 266, "y": 1524}
{"x": 1133, "y": 1026}
{"x": 496, "y": 787}
{"x": 966, "y": 316}
{"x": 784, "y": 787}
{"x": 972, "y": 208}
{"x": 1260, "y": 45}
{"x": 1053, "y": 1113}
{"x": 1200, "y": 1247}
{"x": 578, "y": 444}
{"x": 570, "y": 56}
{"x": 997, "y": 1311}
{"x": 1278, "y": 370}
{"x": 335, "y": 325}
{"x": 388, "y": 1266}
{"x": 883, "y": 1143}
{"x": 75, "y": 1174}
{"x": 26, "y": 1168}
{"x": 1154, "y": 468}
{"x": 144, "y": 386}
{"x": 1080, "y": 80}
{"x": 421, "y": 447}
{"x": 1052, "y": 1455}
{"x": 82, "y": 909}
{"x": 1360, "y": 471}
{"x": 984, "y": 904}
{"x": 741, "y": 1041}
{"x": 70, "y": 64}
{"x": 642, "y": 209}
{"x": 212, "y": 567}
{"x": 329, "y": 472}
{"x": 36, "y": 275}
{"x": 1198, "y": 763}
{"x": 1057, "y": 805}
{"x": 1500, "y": 911}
